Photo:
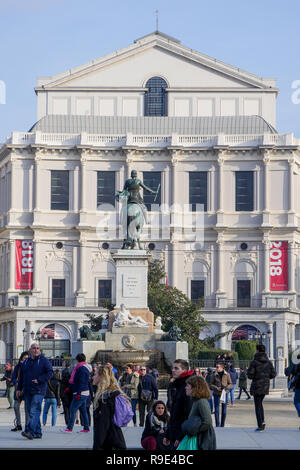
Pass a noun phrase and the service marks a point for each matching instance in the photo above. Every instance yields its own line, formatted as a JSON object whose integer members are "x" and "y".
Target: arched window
{"x": 156, "y": 97}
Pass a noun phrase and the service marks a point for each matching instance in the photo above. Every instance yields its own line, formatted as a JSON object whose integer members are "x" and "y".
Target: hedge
{"x": 245, "y": 349}
{"x": 211, "y": 354}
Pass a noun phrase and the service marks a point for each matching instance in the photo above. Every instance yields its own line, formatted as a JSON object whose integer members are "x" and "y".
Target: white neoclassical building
{"x": 205, "y": 132}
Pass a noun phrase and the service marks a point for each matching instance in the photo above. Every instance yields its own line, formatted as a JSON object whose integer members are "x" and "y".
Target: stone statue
{"x": 158, "y": 324}
{"x": 174, "y": 334}
{"x": 134, "y": 212}
{"x": 124, "y": 318}
{"x": 86, "y": 333}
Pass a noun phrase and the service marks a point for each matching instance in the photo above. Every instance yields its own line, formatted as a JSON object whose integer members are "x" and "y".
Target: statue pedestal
{"x": 131, "y": 279}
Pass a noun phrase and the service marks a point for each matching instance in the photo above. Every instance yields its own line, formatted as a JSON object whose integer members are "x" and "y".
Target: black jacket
{"x": 154, "y": 430}
{"x": 179, "y": 406}
{"x": 107, "y": 435}
{"x": 148, "y": 382}
{"x": 260, "y": 370}
{"x": 53, "y": 390}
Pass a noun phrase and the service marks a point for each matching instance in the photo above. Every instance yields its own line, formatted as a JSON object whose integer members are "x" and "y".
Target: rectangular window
{"x": 198, "y": 189}
{"x": 59, "y": 190}
{"x": 244, "y": 293}
{"x": 152, "y": 179}
{"x": 197, "y": 291}
{"x": 106, "y": 188}
{"x": 58, "y": 292}
{"x": 244, "y": 191}
{"x": 104, "y": 292}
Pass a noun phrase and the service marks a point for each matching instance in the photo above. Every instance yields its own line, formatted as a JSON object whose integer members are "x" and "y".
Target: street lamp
{"x": 35, "y": 336}
{"x": 24, "y": 331}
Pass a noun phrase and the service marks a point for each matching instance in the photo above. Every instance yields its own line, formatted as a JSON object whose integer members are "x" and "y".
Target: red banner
{"x": 24, "y": 264}
{"x": 279, "y": 273}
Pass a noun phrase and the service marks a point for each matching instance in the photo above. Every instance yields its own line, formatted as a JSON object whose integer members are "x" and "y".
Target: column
{"x": 292, "y": 220}
{"x": 292, "y": 266}
{"x": 220, "y": 266}
{"x": 37, "y": 177}
{"x": 12, "y": 185}
{"x": 223, "y": 338}
{"x": 12, "y": 257}
{"x": 221, "y": 184}
{"x": 257, "y": 189}
{"x": 210, "y": 190}
{"x": 291, "y": 185}
{"x": 174, "y": 263}
{"x": 266, "y": 205}
{"x": 266, "y": 287}
{"x": 83, "y": 163}
{"x": 129, "y": 162}
{"x": 82, "y": 265}
{"x": 37, "y": 261}
{"x": 270, "y": 341}
{"x": 166, "y": 186}
{"x": 175, "y": 208}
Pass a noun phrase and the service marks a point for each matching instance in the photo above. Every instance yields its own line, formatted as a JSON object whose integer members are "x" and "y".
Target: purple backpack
{"x": 123, "y": 411}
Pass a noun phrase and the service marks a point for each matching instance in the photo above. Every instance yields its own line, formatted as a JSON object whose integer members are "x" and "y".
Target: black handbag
{"x": 146, "y": 395}
{"x": 191, "y": 425}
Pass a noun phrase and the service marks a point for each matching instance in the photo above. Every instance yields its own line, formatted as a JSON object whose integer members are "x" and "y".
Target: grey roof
{"x": 121, "y": 125}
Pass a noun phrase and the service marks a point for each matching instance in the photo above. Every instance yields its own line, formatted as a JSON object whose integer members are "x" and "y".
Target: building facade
{"x": 225, "y": 222}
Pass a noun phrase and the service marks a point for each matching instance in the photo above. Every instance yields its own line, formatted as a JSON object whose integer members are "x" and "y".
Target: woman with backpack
{"x": 155, "y": 428}
{"x": 111, "y": 405}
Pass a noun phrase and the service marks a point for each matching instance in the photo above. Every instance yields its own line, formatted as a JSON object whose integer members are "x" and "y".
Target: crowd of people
{"x": 193, "y": 397}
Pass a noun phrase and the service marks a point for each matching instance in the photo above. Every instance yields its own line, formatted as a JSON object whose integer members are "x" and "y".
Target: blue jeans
{"x": 53, "y": 403}
{"x": 33, "y": 404}
{"x": 210, "y": 401}
{"x": 133, "y": 406}
{"x": 230, "y": 394}
{"x": 217, "y": 411}
{"x": 75, "y": 405}
{"x": 297, "y": 400}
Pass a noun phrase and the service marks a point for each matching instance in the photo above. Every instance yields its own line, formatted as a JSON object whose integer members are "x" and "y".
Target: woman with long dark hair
{"x": 155, "y": 427}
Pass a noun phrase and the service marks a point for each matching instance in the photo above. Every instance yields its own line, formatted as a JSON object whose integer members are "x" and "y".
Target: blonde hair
{"x": 107, "y": 384}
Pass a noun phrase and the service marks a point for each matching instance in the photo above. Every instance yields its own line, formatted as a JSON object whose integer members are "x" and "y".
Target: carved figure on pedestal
{"x": 124, "y": 318}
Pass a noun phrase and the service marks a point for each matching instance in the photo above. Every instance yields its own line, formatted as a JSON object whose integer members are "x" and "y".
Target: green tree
{"x": 174, "y": 308}
{"x": 245, "y": 349}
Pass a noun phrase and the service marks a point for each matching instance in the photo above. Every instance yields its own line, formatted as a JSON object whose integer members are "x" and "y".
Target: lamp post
{"x": 269, "y": 334}
{"x": 35, "y": 336}
{"x": 24, "y": 338}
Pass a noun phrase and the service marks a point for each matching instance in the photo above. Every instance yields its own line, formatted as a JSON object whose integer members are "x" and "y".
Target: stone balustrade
{"x": 155, "y": 141}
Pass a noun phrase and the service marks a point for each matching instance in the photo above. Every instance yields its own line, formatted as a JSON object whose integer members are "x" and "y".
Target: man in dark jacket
{"x": 179, "y": 404}
{"x": 260, "y": 370}
{"x": 35, "y": 372}
{"x": 147, "y": 392}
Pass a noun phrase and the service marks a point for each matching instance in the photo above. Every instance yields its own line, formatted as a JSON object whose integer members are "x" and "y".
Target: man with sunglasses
{"x": 35, "y": 372}
{"x": 147, "y": 392}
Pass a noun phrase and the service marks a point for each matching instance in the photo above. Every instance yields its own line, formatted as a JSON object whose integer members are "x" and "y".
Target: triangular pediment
{"x": 155, "y": 54}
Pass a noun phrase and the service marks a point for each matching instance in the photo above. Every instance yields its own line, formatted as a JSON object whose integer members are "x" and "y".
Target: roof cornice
{"x": 151, "y": 41}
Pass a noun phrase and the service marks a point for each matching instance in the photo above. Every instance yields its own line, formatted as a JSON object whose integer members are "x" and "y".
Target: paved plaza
{"x": 282, "y": 432}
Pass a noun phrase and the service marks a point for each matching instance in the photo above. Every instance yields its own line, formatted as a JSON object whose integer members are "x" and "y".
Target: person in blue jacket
{"x": 79, "y": 383}
{"x": 147, "y": 391}
{"x": 35, "y": 372}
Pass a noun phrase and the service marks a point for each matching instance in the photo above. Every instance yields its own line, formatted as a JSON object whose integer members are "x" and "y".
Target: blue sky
{"x": 45, "y": 37}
